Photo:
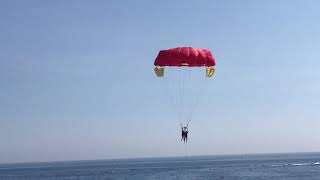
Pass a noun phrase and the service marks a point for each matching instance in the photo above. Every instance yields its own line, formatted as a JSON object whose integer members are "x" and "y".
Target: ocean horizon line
{"x": 160, "y": 157}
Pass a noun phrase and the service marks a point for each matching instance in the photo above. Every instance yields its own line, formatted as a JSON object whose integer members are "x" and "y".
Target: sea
{"x": 293, "y": 166}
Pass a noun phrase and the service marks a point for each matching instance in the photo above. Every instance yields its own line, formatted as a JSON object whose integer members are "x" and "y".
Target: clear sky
{"x": 77, "y": 82}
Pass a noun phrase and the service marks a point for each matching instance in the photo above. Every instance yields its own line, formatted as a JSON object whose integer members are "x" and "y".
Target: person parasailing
{"x": 184, "y": 133}
{"x": 184, "y": 58}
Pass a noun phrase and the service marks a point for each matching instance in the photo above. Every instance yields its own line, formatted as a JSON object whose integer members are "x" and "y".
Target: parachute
{"x": 183, "y": 62}
{"x": 184, "y": 56}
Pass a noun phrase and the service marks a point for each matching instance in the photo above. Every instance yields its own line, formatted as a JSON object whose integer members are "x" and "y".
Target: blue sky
{"x": 77, "y": 82}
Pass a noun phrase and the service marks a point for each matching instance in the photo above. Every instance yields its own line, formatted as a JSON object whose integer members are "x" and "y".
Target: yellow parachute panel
{"x": 209, "y": 71}
{"x": 159, "y": 71}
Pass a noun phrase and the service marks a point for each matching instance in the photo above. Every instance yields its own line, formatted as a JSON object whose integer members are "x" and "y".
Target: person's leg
{"x": 182, "y": 136}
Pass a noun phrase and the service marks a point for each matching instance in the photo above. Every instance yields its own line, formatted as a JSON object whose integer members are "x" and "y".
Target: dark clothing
{"x": 184, "y": 134}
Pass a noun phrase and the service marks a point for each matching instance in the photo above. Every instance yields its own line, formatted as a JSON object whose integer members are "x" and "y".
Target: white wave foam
{"x": 305, "y": 164}
{"x": 300, "y": 164}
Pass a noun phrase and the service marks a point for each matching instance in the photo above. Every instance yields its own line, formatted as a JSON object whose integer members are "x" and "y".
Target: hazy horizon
{"x": 165, "y": 157}
{"x": 77, "y": 81}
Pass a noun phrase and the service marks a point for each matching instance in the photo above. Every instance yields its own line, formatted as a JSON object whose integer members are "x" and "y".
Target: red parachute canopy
{"x": 185, "y": 56}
